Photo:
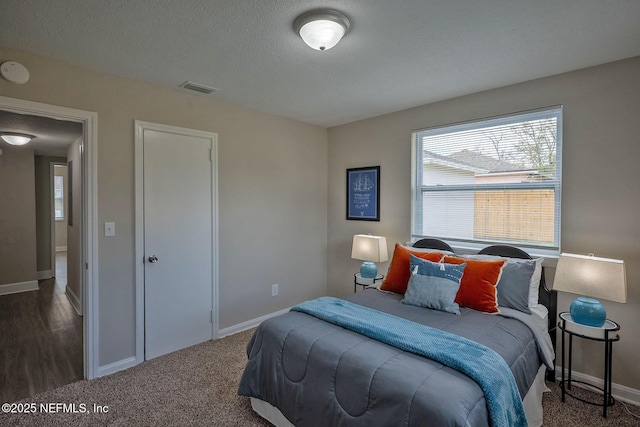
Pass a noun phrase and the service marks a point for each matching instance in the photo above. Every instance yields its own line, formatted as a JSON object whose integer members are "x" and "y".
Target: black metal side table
{"x": 605, "y": 334}
{"x": 358, "y": 280}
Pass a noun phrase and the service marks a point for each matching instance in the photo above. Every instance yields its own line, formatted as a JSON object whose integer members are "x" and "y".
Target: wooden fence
{"x": 523, "y": 215}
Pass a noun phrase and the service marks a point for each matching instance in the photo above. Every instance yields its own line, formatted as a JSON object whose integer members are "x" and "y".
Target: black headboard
{"x": 433, "y": 244}
{"x": 546, "y": 297}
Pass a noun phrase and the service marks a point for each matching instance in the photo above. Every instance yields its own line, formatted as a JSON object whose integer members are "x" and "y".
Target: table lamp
{"x": 370, "y": 249}
{"x": 592, "y": 277}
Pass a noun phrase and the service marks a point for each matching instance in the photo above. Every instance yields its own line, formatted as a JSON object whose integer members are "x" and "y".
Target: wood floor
{"x": 40, "y": 339}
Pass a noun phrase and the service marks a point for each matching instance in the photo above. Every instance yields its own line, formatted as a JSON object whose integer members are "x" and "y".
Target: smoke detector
{"x": 14, "y": 72}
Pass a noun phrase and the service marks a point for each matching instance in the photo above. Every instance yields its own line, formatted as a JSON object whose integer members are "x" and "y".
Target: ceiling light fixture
{"x": 16, "y": 138}
{"x": 322, "y": 29}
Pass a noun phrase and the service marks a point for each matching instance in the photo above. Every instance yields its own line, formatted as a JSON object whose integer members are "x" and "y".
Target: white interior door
{"x": 178, "y": 240}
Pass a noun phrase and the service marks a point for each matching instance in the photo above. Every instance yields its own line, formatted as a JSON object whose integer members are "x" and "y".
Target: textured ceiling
{"x": 52, "y": 137}
{"x": 398, "y": 53}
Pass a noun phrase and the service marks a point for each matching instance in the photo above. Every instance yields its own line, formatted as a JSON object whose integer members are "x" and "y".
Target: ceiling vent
{"x": 197, "y": 87}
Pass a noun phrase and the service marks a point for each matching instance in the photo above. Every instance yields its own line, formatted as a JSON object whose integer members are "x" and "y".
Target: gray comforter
{"x": 319, "y": 374}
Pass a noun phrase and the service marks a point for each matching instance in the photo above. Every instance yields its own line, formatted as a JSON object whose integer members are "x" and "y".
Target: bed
{"x": 311, "y": 367}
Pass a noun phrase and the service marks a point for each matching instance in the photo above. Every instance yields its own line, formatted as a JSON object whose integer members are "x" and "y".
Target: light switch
{"x": 109, "y": 229}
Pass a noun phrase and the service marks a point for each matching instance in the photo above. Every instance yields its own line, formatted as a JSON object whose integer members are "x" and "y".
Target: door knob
{"x": 153, "y": 259}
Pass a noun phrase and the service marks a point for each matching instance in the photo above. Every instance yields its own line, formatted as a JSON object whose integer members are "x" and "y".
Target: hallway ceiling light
{"x": 322, "y": 29}
{"x": 16, "y": 138}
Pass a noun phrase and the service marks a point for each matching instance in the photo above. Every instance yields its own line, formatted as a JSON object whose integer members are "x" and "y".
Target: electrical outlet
{"x": 274, "y": 289}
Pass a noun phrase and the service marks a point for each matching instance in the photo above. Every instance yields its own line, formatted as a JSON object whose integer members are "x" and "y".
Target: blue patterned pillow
{"x": 434, "y": 285}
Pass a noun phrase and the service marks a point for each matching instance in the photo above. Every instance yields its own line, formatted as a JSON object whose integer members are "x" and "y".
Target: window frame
{"x": 418, "y": 189}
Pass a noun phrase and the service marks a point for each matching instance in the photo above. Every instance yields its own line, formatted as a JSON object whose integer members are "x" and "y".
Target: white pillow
{"x": 540, "y": 310}
{"x": 535, "y": 283}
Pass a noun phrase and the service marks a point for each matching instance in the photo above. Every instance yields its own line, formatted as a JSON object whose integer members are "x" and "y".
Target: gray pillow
{"x": 433, "y": 285}
{"x": 515, "y": 282}
{"x": 513, "y": 287}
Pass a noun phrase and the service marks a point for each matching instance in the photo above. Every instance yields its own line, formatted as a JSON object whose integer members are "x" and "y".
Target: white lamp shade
{"x": 369, "y": 248}
{"x": 16, "y": 139}
{"x": 322, "y": 35}
{"x": 600, "y": 278}
{"x": 322, "y": 29}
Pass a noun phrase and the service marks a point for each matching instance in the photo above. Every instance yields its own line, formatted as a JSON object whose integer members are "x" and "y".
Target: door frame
{"x": 53, "y": 215}
{"x": 140, "y": 127}
{"x": 89, "y": 179}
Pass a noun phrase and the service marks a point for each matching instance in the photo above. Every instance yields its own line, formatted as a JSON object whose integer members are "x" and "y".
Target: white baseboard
{"x": 248, "y": 324}
{"x": 61, "y": 249}
{"x": 619, "y": 392}
{"x": 15, "y": 288}
{"x": 114, "y": 367}
{"x": 130, "y": 362}
{"x": 44, "y": 274}
{"x": 73, "y": 299}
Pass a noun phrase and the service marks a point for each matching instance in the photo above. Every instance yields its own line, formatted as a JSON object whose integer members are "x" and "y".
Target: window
{"x": 490, "y": 181}
{"x": 58, "y": 198}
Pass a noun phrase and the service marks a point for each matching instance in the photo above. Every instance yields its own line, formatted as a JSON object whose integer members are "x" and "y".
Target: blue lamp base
{"x": 588, "y": 311}
{"x": 368, "y": 270}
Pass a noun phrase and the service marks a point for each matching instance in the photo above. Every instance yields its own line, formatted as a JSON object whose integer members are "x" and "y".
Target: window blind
{"x": 494, "y": 180}
{"x": 58, "y": 189}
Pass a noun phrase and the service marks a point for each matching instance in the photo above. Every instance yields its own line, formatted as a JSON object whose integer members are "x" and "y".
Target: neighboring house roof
{"x": 487, "y": 162}
{"x": 476, "y": 162}
{"x": 451, "y": 162}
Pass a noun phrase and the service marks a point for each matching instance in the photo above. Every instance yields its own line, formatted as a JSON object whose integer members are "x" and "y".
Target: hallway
{"x": 40, "y": 338}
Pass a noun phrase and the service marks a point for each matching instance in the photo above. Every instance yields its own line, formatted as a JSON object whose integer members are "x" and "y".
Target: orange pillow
{"x": 478, "y": 288}
{"x": 398, "y": 274}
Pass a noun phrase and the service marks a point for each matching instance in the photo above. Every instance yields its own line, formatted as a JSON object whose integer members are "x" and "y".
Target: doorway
{"x": 86, "y": 178}
{"x": 59, "y": 193}
{"x": 176, "y": 238}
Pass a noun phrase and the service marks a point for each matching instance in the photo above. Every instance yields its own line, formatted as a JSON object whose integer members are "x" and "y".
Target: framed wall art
{"x": 363, "y": 193}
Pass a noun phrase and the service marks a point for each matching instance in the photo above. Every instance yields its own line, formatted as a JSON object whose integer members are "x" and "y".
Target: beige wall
{"x": 272, "y": 175}
{"x": 17, "y": 215}
{"x": 273, "y": 187}
{"x": 600, "y": 195}
{"x": 43, "y": 209}
{"x": 61, "y": 226}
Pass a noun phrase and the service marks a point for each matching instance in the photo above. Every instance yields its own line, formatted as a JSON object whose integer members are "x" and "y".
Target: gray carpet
{"x": 197, "y": 387}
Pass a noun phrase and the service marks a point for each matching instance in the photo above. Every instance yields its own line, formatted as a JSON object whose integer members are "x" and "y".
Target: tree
{"x": 496, "y": 142}
{"x": 529, "y": 144}
{"x": 537, "y": 144}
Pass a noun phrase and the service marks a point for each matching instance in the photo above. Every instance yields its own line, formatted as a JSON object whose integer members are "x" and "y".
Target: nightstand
{"x": 358, "y": 280}
{"x": 606, "y": 335}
